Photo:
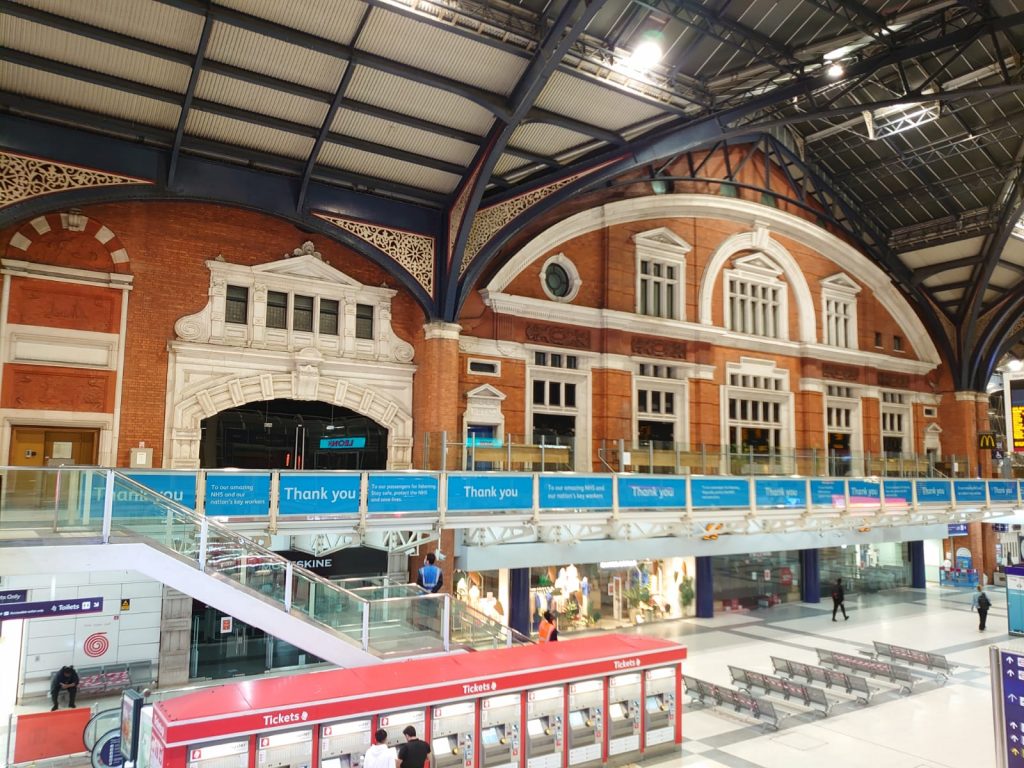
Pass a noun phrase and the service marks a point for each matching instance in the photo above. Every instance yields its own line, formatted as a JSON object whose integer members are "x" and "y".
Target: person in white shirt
{"x": 380, "y": 755}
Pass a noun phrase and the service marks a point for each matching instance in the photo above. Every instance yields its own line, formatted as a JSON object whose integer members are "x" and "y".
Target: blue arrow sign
{"x": 1013, "y": 713}
{"x": 49, "y": 608}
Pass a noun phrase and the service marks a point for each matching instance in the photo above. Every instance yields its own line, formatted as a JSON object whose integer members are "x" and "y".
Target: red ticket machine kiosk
{"x": 623, "y": 718}
{"x": 660, "y": 696}
{"x": 464, "y": 705}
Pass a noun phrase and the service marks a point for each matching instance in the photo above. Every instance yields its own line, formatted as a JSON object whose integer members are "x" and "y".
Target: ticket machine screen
{"x": 616, "y": 710}
{"x": 653, "y": 704}
{"x": 446, "y": 745}
{"x": 345, "y": 761}
{"x": 491, "y": 737}
{"x": 576, "y": 719}
{"x": 535, "y": 727}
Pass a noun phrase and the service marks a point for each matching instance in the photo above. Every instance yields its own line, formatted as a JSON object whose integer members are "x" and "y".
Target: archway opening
{"x": 293, "y": 434}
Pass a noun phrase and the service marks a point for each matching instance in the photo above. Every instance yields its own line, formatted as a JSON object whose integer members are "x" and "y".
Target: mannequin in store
{"x": 474, "y": 594}
{"x": 461, "y": 589}
{"x": 561, "y": 588}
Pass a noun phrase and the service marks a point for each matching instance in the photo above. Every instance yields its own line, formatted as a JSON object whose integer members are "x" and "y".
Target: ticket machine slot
{"x": 499, "y": 731}
{"x": 452, "y": 736}
{"x": 585, "y": 725}
{"x": 543, "y": 738}
{"x": 624, "y": 702}
{"x": 660, "y": 710}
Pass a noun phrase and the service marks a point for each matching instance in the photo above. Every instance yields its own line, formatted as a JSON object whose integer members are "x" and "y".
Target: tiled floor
{"x": 937, "y": 726}
{"x": 934, "y": 727}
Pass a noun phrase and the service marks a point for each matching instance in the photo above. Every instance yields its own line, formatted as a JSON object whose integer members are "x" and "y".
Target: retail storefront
{"x": 865, "y": 568}
{"x": 757, "y": 580}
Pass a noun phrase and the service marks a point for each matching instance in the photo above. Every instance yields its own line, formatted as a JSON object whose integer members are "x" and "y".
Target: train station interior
{"x": 356, "y": 345}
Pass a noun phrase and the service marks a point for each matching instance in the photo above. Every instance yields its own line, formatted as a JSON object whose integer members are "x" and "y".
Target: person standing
{"x": 65, "y": 680}
{"x": 412, "y": 754}
{"x": 981, "y": 603}
{"x": 839, "y": 599}
{"x": 380, "y": 755}
{"x": 430, "y": 576}
{"x": 548, "y": 629}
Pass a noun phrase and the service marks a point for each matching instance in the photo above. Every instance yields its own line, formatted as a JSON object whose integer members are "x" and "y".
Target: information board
{"x": 402, "y": 493}
{"x": 1016, "y": 401}
{"x": 579, "y": 492}
{"x": 1015, "y": 599}
{"x": 1008, "y": 699}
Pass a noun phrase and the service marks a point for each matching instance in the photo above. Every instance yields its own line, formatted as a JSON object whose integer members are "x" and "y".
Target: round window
{"x": 557, "y": 280}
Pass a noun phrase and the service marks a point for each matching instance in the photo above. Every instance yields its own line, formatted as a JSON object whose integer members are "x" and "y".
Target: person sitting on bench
{"x": 65, "y": 680}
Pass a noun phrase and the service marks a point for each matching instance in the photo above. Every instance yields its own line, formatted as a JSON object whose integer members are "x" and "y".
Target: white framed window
{"x": 557, "y": 403}
{"x": 756, "y": 299}
{"x": 839, "y": 311}
{"x": 560, "y": 279}
{"x": 897, "y": 429}
{"x": 842, "y": 430}
{"x": 478, "y": 367}
{"x": 661, "y": 273}
{"x": 757, "y": 411}
{"x": 660, "y": 406}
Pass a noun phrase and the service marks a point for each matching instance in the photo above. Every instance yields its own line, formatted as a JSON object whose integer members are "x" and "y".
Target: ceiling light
{"x": 645, "y": 55}
{"x": 835, "y": 70}
{"x": 1014, "y": 364}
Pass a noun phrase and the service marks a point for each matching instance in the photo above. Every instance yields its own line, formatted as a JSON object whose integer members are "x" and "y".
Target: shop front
{"x": 865, "y": 568}
{"x": 755, "y": 580}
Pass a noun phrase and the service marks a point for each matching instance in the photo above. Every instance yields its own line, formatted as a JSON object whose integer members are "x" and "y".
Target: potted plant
{"x": 686, "y": 594}
{"x": 635, "y": 597}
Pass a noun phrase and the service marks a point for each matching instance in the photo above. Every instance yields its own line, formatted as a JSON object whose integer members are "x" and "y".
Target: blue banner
{"x": 828, "y": 493}
{"x": 651, "y": 491}
{"x": 177, "y": 486}
{"x": 864, "y": 492}
{"x": 310, "y": 493}
{"x": 1002, "y": 490}
{"x": 236, "y": 494}
{"x": 486, "y": 491}
{"x": 780, "y": 493}
{"x": 342, "y": 443}
{"x": 933, "y": 492}
{"x": 721, "y": 493}
{"x": 402, "y": 493}
{"x": 969, "y": 490}
{"x": 73, "y": 606}
{"x": 586, "y": 492}
{"x": 898, "y": 492}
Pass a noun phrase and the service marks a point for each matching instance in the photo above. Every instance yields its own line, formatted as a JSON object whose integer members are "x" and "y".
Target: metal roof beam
{"x": 190, "y": 91}
{"x": 866, "y": 20}
{"x": 489, "y": 101}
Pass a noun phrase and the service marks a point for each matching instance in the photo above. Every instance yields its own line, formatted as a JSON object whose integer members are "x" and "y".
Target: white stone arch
{"x": 226, "y": 392}
{"x": 760, "y": 241}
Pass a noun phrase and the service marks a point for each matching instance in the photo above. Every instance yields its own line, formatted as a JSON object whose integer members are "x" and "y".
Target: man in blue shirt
{"x": 428, "y": 612}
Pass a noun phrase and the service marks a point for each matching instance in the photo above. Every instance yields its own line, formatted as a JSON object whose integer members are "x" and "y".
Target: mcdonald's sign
{"x": 987, "y": 441}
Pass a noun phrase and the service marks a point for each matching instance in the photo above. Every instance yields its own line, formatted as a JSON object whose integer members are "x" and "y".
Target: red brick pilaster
{"x": 437, "y": 402}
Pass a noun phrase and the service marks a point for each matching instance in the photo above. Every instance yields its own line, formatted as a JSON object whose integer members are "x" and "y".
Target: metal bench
{"x": 806, "y": 695}
{"x": 109, "y": 678}
{"x": 899, "y": 676}
{"x": 853, "y": 685}
{"x": 933, "y": 662}
{"x": 714, "y": 695}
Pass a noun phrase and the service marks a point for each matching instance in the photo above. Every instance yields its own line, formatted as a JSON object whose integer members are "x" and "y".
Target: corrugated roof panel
{"x": 155, "y": 22}
{"x": 376, "y": 129}
{"x": 444, "y": 53}
{"x": 507, "y": 163}
{"x": 255, "y": 98}
{"x": 392, "y": 92}
{"x": 955, "y": 275}
{"x": 50, "y": 43}
{"x": 593, "y": 104}
{"x": 93, "y": 98}
{"x": 248, "y": 50}
{"x": 389, "y": 169}
{"x": 333, "y": 19}
{"x": 545, "y": 139}
{"x": 258, "y": 137}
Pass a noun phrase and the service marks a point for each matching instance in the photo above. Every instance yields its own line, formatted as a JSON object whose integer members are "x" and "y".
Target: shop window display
{"x": 757, "y": 580}
{"x": 865, "y": 567}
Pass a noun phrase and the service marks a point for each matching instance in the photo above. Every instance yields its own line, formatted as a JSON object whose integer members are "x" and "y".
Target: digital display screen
{"x": 576, "y": 719}
{"x": 491, "y": 737}
{"x": 653, "y": 704}
{"x": 616, "y": 710}
{"x": 331, "y": 762}
{"x": 1017, "y": 414}
{"x": 535, "y": 727}
{"x": 443, "y": 745}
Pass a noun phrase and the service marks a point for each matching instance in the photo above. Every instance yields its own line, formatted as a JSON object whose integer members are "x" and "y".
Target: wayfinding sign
{"x": 1008, "y": 701}
{"x": 48, "y": 608}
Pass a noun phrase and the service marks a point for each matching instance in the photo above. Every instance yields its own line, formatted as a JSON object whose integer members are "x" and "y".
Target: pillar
{"x": 915, "y": 550}
{"x": 519, "y": 600}
{"x": 810, "y": 576}
{"x": 436, "y": 396}
{"x": 705, "y": 589}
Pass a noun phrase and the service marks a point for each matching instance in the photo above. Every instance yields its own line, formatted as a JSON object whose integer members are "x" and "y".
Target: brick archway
{"x": 68, "y": 221}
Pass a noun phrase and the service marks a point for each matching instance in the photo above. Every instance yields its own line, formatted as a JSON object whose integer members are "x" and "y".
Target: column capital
{"x": 442, "y": 330}
{"x": 971, "y": 397}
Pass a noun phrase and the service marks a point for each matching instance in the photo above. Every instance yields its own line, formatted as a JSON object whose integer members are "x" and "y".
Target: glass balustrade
{"x": 385, "y": 619}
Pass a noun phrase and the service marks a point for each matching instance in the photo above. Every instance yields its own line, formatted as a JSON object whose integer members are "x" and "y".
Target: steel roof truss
{"x": 186, "y": 104}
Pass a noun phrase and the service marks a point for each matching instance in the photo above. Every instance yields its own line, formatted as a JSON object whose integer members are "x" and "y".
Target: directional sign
{"x": 50, "y": 608}
{"x": 13, "y": 596}
{"x": 1011, "y": 667}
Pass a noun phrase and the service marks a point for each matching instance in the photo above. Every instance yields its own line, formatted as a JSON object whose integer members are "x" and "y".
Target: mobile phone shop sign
{"x": 487, "y": 492}
{"x": 237, "y": 494}
{"x": 402, "y": 493}
{"x": 318, "y": 494}
{"x": 575, "y": 492}
{"x": 651, "y": 492}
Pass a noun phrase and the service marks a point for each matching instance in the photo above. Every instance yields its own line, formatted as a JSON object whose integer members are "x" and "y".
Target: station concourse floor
{"x": 936, "y": 726}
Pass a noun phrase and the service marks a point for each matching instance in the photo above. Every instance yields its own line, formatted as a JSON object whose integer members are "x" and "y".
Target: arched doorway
{"x": 293, "y": 434}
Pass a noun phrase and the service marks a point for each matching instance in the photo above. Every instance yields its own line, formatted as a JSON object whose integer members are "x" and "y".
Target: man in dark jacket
{"x": 839, "y": 599}
{"x": 65, "y": 680}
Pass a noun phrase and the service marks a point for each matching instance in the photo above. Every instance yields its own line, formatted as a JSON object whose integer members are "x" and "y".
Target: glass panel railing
{"x": 473, "y": 629}
{"x": 387, "y": 592}
{"x": 407, "y": 625}
{"x": 58, "y": 500}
